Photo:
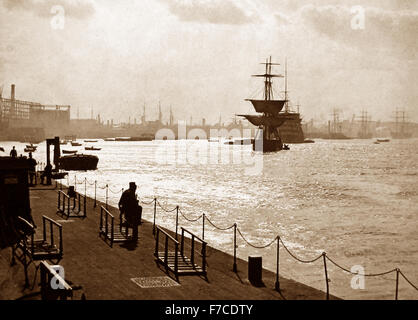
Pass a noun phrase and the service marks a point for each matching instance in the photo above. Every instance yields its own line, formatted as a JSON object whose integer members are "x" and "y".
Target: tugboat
{"x": 267, "y": 138}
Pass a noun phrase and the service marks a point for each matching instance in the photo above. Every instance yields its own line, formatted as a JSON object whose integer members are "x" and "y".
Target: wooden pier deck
{"x": 127, "y": 272}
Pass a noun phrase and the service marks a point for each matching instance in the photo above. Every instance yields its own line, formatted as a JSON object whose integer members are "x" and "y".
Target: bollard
{"x": 234, "y": 267}
{"x": 277, "y": 284}
{"x": 95, "y": 191}
{"x": 326, "y": 273}
{"x": 155, "y": 213}
{"x": 177, "y": 220}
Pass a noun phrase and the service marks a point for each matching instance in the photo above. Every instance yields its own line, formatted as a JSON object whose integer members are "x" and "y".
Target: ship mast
{"x": 268, "y": 91}
{"x": 286, "y": 106}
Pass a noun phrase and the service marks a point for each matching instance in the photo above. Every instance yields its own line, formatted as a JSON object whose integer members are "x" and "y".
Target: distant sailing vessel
{"x": 335, "y": 128}
{"x": 401, "y": 126}
{"x": 267, "y": 138}
{"x": 364, "y": 132}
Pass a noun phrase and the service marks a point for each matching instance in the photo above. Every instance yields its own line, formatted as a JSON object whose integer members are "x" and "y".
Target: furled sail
{"x": 272, "y": 107}
{"x": 264, "y": 121}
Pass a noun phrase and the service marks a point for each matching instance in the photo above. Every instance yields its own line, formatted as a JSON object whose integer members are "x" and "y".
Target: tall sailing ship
{"x": 401, "y": 125}
{"x": 364, "y": 132}
{"x": 267, "y": 138}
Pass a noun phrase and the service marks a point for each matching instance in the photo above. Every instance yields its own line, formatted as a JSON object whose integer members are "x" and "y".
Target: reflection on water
{"x": 353, "y": 199}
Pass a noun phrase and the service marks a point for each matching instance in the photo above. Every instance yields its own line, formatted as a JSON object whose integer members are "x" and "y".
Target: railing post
{"x": 182, "y": 242}
{"x": 59, "y": 201}
{"x": 234, "y": 267}
{"x": 112, "y": 230}
{"x": 85, "y": 186}
{"x": 397, "y": 283}
{"x": 156, "y": 243}
{"x": 203, "y": 226}
{"x": 326, "y": 273}
{"x": 177, "y": 220}
{"x": 75, "y": 182}
{"x": 85, "y": 206}
{"x": 155, "y": 213}
{"x": 204, "y": 257}
{"x": 192, "y": 252}
{"x": 166, "y": 252}
{"x": 277, "y": 285}
{"x": 176, "y": 259}
{"x": 68, "y": 206}
{"x": 101, "y": 220}
{"x": 107, "y": 195}
{"x": 95, "y": 191}
{"x": 44, "y": 228}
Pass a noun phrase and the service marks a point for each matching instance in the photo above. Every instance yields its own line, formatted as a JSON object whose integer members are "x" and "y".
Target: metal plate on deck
{"x": 155, "y": 282}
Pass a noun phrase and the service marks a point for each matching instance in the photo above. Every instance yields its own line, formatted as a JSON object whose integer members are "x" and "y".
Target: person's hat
{"x": 132, "y": 184}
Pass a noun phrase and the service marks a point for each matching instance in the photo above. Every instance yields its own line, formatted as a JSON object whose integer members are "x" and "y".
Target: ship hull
{"x": 78, "y": 162}
{"x": 267, "y": 145}
{"x": 291, "y": 130}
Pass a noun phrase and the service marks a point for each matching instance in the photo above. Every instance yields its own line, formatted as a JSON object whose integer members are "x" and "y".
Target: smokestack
{"x": 12, "y": 95}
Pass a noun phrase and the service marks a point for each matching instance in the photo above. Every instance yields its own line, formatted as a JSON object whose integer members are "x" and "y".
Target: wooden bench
{"x": 28, "y": 249}
{"x": 72, "y": 207}
{"x": 173, "y": 256}
{"x": 107, "y": 228}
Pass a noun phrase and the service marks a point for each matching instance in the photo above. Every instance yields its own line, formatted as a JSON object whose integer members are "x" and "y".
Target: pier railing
{"x": 72, "y": 205}
{"x": 170, "y": 259}
{"x": 277, "y": 241}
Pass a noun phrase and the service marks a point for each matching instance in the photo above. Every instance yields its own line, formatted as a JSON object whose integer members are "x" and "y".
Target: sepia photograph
{"x": 203, "y": 157}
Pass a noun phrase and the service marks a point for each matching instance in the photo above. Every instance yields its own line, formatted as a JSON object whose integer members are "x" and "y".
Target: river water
{"x": 353, "y": 199}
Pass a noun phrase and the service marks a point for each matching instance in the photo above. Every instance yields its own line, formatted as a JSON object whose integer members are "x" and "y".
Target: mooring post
{"x": 85, "y": 186}
{"x": 155, "y": 213}
{"x": 277, "y": 285}
{"x": 234, "y": 268}
{"x": 177, "y": 220}
{"x": 326, "y": 273}
{"x": 95, "y": 191}
{"x": 397, "y": 283}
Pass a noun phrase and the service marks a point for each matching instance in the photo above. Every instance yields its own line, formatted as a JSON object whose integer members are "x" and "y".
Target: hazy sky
{"x": 198, "y": 55}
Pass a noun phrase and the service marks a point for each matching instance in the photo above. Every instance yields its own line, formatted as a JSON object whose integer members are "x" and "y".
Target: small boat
{"x": 78, "y": 162}
{"x": 308, "y": 141}
{"x": 93, "y": 148}
{"x": 31, "y": 146}
{"x": 90, "y": 140}
{"x": 1, "y": 149}
{"x": 285, "y": 147}
{"x": 59, "y": 175}
{"x": 69, "y": 151}
{"x": 62, "y": 142}
{"x": 30, "y": 149}
{"x": 109, "y": 139}
{"x": 75, "y": 144}
{"x": 383, "y": 140}
{"x": 123, "y": 139}
{"x": 376, "y": 142}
